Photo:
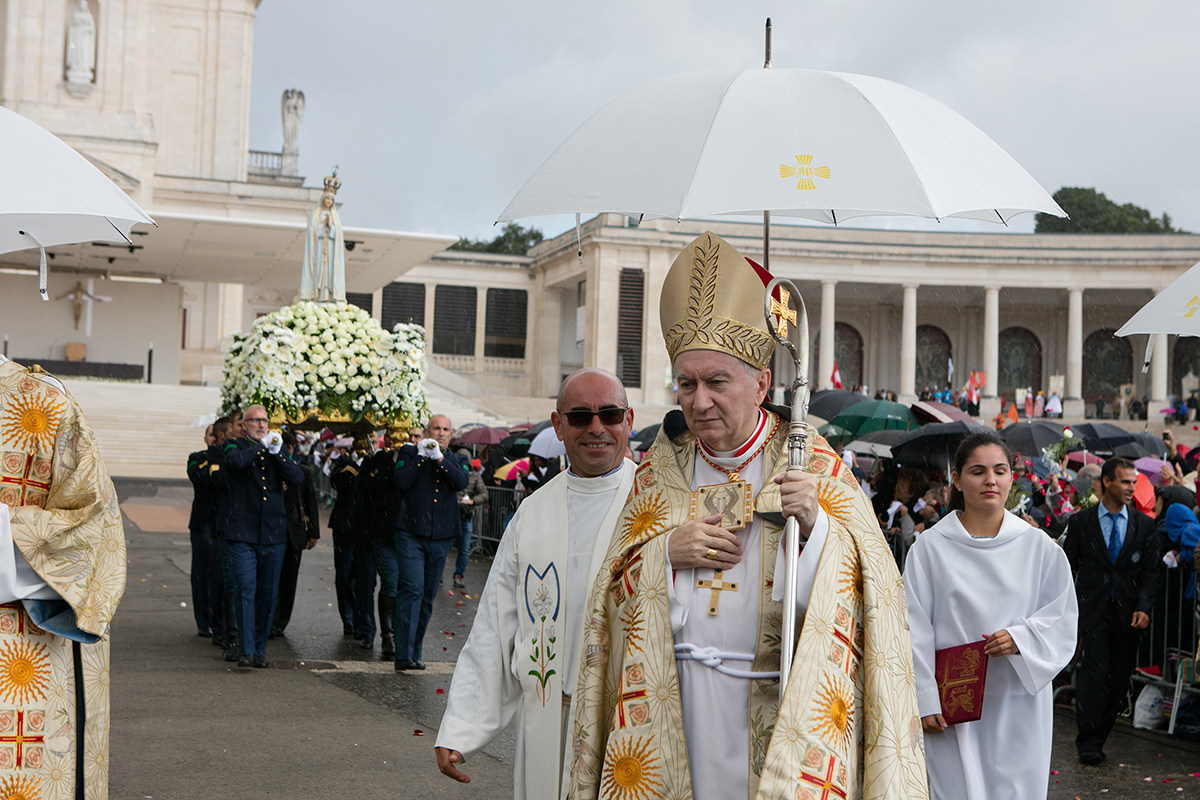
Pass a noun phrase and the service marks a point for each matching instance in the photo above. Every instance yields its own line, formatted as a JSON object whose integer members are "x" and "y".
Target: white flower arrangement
{"x": 328, "y": 360}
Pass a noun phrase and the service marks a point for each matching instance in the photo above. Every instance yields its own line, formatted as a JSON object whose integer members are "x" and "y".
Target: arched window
{"x": 848, "y": 351}
{"x": 1020, "y": 361}
{"x": 933, "y": 357}
{"x": 1107, "y": 363}
{"x": 1186, "y": 360}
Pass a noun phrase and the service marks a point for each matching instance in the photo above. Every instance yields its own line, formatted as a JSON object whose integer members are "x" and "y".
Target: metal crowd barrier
{"x": 493, "y": 518}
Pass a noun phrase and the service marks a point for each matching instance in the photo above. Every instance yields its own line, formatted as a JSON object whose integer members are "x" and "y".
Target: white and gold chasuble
{"x": 848, "y": 725}
{"x": 64, "y": 519}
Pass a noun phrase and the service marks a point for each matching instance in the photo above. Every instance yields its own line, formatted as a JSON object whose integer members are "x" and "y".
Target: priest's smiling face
{"x": 720, "y": 396}
{"x": 593, "y": 420}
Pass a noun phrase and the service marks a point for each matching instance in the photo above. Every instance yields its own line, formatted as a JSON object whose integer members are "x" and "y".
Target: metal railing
{"x": 493, "y": 518}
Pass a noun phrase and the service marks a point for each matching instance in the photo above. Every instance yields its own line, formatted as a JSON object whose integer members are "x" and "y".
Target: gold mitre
{"x": 712, "y": 299}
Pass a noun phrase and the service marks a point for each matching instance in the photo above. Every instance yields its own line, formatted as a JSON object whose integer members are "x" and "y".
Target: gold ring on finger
{"x": 711, "y": 554}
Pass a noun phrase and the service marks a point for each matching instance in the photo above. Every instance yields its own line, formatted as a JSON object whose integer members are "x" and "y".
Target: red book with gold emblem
{"x": 960, "y": 673}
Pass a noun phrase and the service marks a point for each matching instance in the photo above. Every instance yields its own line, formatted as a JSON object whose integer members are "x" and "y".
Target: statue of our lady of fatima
{"x": 323, "y": 277}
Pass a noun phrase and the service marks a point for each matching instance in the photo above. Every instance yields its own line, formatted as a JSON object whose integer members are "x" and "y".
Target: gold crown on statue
{"x": 712, "y": 299}
{"x": 332, "y": 184}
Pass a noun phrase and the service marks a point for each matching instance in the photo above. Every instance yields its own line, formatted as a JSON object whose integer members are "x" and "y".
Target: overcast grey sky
{"x": 437, "y": 112}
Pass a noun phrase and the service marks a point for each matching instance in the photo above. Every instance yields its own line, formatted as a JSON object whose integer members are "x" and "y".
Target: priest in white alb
{"x": 680, "y": 695}
{"x": 522, "y": 655}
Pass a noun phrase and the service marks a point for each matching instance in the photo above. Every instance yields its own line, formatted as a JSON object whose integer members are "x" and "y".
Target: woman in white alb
{"x": 983, "y": 572}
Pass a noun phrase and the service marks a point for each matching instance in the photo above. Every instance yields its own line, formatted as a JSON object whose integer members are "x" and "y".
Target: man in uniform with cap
{"x": 679, "y": 691}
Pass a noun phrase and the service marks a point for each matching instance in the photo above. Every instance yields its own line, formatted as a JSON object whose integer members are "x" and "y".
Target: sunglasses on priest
{"x": 582, "y": 419}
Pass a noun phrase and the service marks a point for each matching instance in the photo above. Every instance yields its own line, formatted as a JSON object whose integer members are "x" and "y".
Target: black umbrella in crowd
{"x": 877, "y": 443}
{"x": 828, "y": 403}
{"x": 1144, "y": 445}
{"x": 514, "y": 446}
{"x": 933, "y": 446}
{"x": 1031, "y": 437}
{"x": 1101, "y": 437}
{"x": 642, "y": 440}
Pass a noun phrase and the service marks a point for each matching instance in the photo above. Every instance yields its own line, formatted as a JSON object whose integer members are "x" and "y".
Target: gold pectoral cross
{"x": 718, "y": 585}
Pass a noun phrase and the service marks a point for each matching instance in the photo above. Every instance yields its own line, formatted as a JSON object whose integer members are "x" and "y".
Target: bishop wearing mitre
{"x": 62, "y": 573}
{"x": 678, "y": 694}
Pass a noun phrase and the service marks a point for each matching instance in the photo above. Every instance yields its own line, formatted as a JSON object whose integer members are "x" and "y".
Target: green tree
{"x": 1091, "y": 212}
{"x": 512, "y": 240}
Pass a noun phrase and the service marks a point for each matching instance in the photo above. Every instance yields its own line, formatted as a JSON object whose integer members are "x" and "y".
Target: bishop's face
{"x": 719, "y": 397}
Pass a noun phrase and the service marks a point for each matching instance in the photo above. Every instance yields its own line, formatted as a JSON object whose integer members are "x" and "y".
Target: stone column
{"x": 908, "y": 347}
{"x": 828, "y": 335}
{"x": 1158, "y": 378}
{"x": 989, "y": 403}
{"x": 480, "y": 326}
{"x": 1073, "y": 402}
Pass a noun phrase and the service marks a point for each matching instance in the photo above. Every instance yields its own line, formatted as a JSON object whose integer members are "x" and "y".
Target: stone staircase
{"x": 143, "y": 428}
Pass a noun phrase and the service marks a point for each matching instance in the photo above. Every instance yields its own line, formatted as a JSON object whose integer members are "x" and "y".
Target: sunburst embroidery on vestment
{"x": 834, "y": 712}
{"x": 20, "y": 787}
{"x": 835, "y": 503}
{"x": 850, "y": 580}
{"x": 24, "y": 672}
{"x": 634, "y": 627}
{"x": 630, "y": 771}
{"x": 30, "y": 422}
{"x": 649, "y": 514}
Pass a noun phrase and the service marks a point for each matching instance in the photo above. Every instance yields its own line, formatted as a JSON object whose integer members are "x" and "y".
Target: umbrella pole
{"x": 767, "y": 214}
{"x": 767, "y": 241}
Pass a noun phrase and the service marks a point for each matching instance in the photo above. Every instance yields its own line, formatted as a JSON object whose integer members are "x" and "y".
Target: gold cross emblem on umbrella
{"x": 780, "y": 308}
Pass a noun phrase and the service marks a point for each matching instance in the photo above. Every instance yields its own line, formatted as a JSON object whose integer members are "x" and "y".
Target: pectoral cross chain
{"x": 718, "y": 585}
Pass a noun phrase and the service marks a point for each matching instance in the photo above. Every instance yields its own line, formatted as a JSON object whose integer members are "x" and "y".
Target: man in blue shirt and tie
{"x": 1115, "y": 557}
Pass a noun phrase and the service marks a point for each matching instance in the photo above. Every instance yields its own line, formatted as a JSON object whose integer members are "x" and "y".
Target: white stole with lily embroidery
{"x": 551, "y": 614}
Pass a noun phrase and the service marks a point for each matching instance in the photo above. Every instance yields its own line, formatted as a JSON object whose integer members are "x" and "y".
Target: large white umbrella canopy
{"x": 1176, "y": 310}
{"x": 827, "y": 146}
{"x": 55, "y": 196}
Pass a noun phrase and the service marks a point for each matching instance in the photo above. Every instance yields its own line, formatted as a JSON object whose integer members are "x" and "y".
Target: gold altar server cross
{"x": 718, "y": 585}
{"x": 780, "y": 309}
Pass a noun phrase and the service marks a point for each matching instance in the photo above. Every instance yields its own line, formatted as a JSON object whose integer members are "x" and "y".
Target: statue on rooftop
{"x": 293, "y": 112}
{"x": 323, "y": 276}
{"x": 81, "y": 46}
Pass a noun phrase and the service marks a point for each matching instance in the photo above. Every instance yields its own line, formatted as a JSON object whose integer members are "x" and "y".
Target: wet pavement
{"x": 330, "y": 720}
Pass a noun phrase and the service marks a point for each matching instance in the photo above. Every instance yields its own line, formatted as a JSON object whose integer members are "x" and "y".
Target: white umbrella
{"x": 827, "y": 146}
{"x": 1176, "y": 309}
{"x": 547, "y": 445}
{"x": 55, "y": 196}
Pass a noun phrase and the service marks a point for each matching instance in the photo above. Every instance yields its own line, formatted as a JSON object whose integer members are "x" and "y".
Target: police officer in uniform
{"x": 255, "y": 527}
{"x": 430, "y": 478}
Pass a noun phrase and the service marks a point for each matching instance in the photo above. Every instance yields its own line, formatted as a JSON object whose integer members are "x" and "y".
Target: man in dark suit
{"x": 430, "y": 477}
{"x": 255, "y": 527}
{"x": 303, "y": 531}
{"x": 1115, "y": 558}
{"x": 200, "y": 524}
{"x": 377, "y": 517}
{"x": 207, "y": 569}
